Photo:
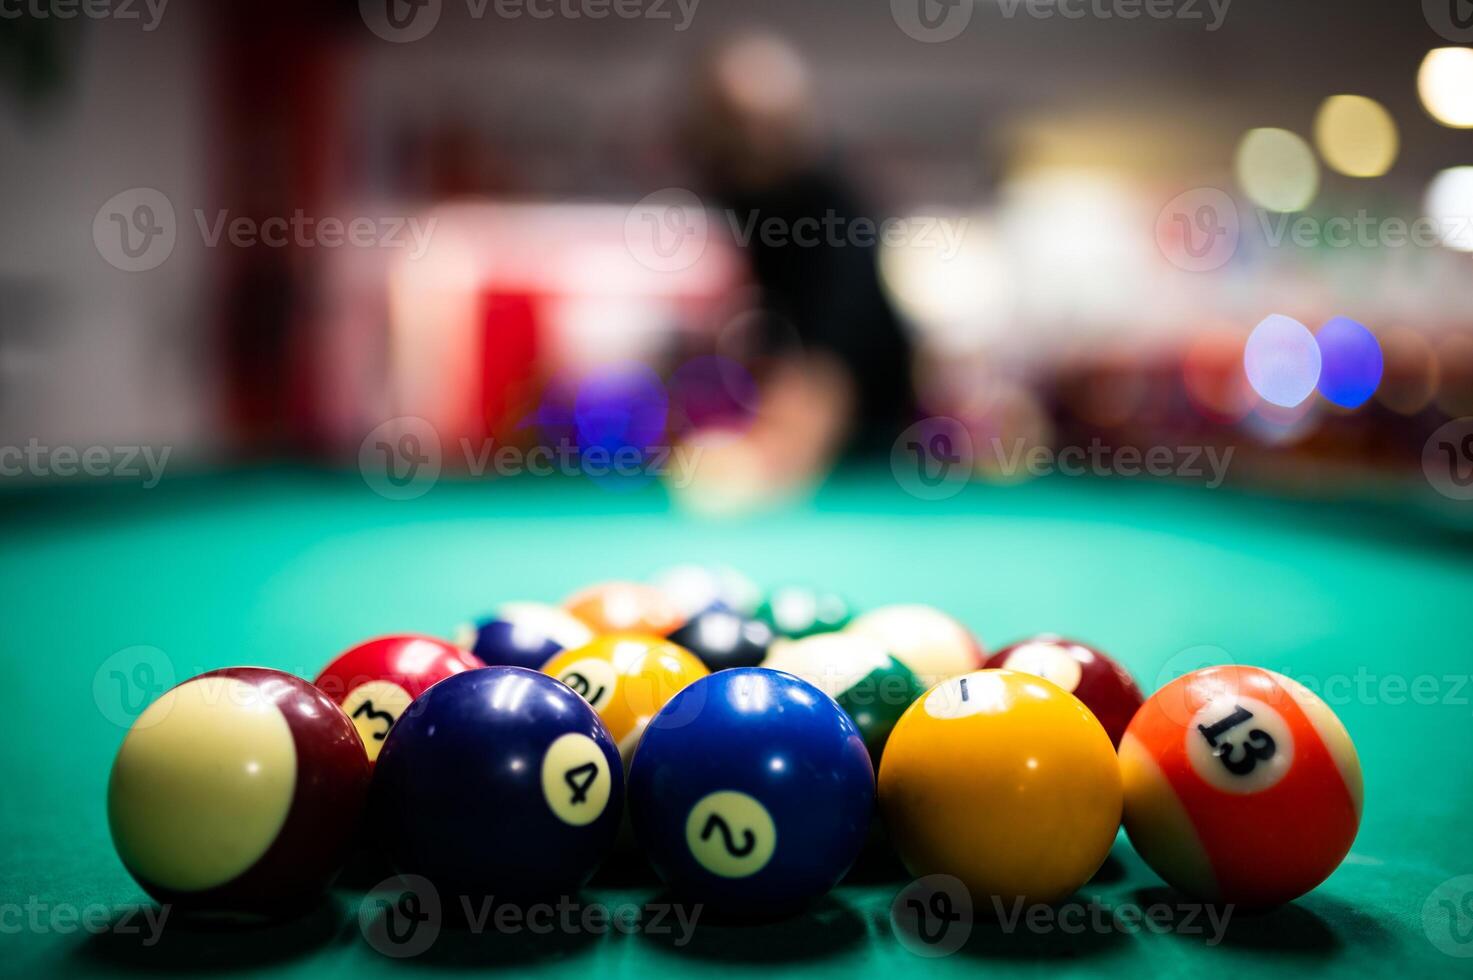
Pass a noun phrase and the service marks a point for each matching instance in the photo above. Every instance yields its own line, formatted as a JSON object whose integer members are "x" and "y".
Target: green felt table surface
{"x": 283, "y": 568}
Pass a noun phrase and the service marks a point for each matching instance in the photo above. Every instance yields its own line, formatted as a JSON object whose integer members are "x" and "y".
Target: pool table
{"x": 111, "y": 590}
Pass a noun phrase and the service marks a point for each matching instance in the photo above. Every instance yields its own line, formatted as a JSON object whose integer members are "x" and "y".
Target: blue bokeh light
{"x": 1282, "y": 360}
{"x": 1351, "y": 359}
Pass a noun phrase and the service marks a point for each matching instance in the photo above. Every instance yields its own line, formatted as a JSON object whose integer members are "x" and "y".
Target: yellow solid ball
{"x": 627, "y": 678}
{"x": 1004, "y": 781}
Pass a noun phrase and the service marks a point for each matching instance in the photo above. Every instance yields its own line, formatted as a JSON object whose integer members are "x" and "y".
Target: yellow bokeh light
{"x": 1356, "y": 135}
{"x": 1445, "y": 83}
{"x": 1277, "y": 169}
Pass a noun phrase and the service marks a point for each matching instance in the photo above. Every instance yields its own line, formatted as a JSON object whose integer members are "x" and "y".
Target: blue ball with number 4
{"x": 498, "y": 781}
{"x": 751, "y": 791}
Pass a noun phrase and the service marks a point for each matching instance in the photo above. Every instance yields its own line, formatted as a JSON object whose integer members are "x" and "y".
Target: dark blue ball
{"x": 723, "y": 638}
{"x": 524, "y": 634}
{"x": 499, "y": 641}
{"x": 498, "y": 781}
{"x": 751, "y": 790}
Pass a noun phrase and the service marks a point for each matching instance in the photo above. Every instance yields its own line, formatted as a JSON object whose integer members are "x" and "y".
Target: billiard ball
{"x": 796, "y": 611}
{"x": 696, "y": 588}
{"x": 928, "y": 641}
{"x": 235, "y": 793}
{"x": 625, "y": 607}
{"x": 626, "y": 677}
{"x": 1105, "y": 687}
{"x": 375, "y": 681}
{"x": 751, "y": 792}
{"x": 872, "y": 687}
{"x": 523, "y": 634}
{"x": 1241, "y": 786}
{"x": 1003, "y": 781}
{"x": 723, "y": 638}
{"x": 499, "y": 781}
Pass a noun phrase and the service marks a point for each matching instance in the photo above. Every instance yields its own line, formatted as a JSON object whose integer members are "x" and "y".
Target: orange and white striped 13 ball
{"x": 1241, "y": 786}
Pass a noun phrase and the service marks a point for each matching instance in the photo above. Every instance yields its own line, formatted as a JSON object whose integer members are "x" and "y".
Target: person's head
{"x": 752, "y": 120}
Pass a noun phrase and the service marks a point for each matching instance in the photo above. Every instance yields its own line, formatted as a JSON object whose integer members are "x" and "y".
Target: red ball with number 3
{"x": 1241, "y": 786}
{"x": 375, "y": 681}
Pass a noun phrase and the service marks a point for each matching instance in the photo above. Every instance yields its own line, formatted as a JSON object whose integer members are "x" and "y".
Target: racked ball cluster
{"x": 746, "y": 737}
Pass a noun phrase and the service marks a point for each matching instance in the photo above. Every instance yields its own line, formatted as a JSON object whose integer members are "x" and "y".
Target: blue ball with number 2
{"x": 751, "y": 790}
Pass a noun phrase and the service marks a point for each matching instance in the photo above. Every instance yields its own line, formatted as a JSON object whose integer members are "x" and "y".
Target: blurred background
{"x": 267, "y": 231}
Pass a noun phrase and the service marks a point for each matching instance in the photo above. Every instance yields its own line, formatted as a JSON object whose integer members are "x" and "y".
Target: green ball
{"x": 797, "y": 612}
{"x": 872, "y": 687}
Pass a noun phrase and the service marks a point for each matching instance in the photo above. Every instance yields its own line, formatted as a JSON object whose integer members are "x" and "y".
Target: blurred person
{"x": 838, "y": 362}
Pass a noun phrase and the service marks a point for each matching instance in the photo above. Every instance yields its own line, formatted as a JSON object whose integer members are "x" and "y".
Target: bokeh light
{"x": 1350, "y": 359}
{"x": 1445, "y": 83}
{"x": 1411, "y": 376}
{"x": 1212, "y": 374}
{"x": 1282, "y": 360}
{"x": 1277, "y": 169}
{"x": 1449, "y": 203}
{"x": 623, "y": 411}
{"x": 1356, "y": 135}
{"x": 713, "y": 391}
